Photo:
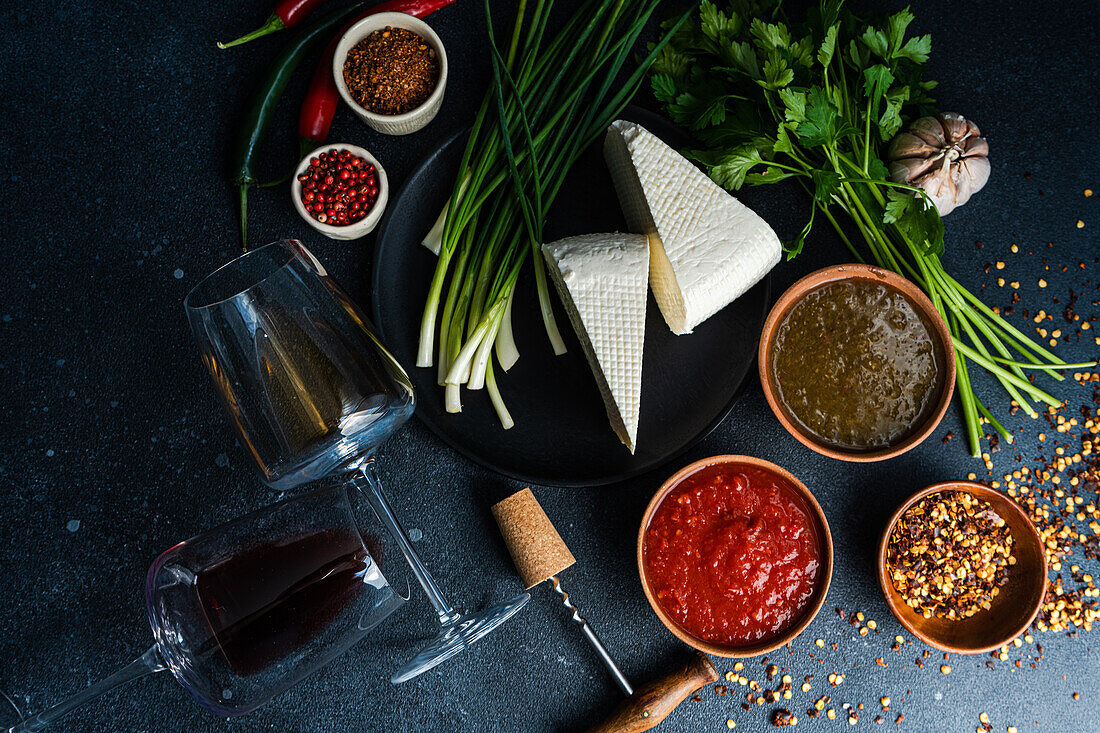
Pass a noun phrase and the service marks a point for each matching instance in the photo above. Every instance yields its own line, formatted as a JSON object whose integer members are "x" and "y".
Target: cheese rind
{"x": 706, "y": 247}
{"x": 601, "y": 279}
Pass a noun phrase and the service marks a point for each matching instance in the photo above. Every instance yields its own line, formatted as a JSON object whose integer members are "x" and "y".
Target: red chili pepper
{"x": 287, "y": 14}
{"x": 322, "y": 98}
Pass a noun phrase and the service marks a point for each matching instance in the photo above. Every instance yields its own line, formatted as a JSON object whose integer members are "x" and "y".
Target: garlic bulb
{"x": 945, "y": 155}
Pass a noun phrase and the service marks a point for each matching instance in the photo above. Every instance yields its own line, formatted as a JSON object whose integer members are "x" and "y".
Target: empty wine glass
{"x": 312, "y": 392}
{"x": 242, "y": 612}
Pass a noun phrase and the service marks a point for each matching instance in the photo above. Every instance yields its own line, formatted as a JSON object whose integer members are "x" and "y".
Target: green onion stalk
{"x": 549, "y": 99}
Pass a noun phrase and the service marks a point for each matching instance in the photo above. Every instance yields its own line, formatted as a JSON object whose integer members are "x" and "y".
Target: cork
{"x": 536, "y": 547}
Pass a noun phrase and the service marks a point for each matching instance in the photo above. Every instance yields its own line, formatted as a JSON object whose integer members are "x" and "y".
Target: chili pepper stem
{"x": 276, "y": 182}
{"x": 243, "y": 189}
{"x": 273, "y": 24}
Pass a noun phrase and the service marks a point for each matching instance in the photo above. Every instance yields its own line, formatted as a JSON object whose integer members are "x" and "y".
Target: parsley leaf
{"x": 876, "y": 80}
{"x": 716, "y": 25}
{"x": 770, "y": 36}
{"x": 826, "y": 184}
{"x": 776, "y": 73}
{"x": 917, "y": 218}
{"x": 890, "y": 122}
{"x": 896, "y": 25}
{"x": 664, "y": 88}
{"x": 730, "y": 168}
{"x": 823, "y": 124}
{"x": 783, "y": 142}
{"x": 795, "y": 104}
{"x": 771, "y": 174}
{"x": 828, "y": 46}
{"x": 671, "y": 62}
{"x": 744, "y": 58}
{"x": 875, "y": 40}
{"x": 916, "y": 49}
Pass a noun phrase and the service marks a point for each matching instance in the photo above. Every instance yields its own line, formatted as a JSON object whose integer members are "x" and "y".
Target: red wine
{"x": 266, "y": 602}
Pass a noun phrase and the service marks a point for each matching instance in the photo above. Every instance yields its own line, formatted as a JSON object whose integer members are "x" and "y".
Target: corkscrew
{"x": 540, "y": 554}
{"x": 593, "y": 639}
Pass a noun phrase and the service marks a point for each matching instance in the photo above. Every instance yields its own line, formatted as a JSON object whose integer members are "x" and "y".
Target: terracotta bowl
{"x": 767, "y": 645}
{"x": 1014, "y": 608}
{"x": 919, "y": 300}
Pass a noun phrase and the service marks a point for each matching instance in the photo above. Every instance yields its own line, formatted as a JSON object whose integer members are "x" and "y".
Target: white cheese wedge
{"x": 601, "y": 279}
{"x": 706, "y": 247}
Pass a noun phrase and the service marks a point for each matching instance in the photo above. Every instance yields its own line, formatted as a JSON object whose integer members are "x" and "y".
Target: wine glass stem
{"x": 365, "y": 479}
{"x": 147, "y": 663}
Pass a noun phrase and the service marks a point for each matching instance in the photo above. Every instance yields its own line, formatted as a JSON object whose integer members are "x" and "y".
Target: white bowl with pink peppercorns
{"x": 341, "y": 191}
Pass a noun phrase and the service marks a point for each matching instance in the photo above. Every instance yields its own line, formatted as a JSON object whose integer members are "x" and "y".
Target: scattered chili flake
{"x": 392, "y": 71}
{"x": 782, "y": 717}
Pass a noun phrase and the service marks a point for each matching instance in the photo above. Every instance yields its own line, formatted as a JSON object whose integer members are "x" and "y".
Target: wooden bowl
{"x": 1014, "y": 608}
{"x": 822, "y": 590}
{"x": 915, "y": 296}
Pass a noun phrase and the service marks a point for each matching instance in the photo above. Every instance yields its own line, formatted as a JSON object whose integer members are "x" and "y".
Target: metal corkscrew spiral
{"x": 593, "y": 639}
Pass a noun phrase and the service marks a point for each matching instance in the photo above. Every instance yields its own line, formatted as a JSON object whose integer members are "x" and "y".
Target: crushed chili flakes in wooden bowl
{"x": 962, "y": 567}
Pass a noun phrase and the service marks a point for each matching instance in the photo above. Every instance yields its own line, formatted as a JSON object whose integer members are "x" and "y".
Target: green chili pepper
{"x": 254, "y": 126}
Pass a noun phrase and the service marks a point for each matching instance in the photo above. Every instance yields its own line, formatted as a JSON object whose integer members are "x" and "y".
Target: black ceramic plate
{"x": 562, "y": 436}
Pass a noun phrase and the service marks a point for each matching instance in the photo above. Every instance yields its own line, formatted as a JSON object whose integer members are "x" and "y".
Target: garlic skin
{"x": 945, "y": 155}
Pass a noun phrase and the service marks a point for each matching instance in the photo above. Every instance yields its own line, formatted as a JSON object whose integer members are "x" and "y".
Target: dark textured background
{"x": 114, "y": 150}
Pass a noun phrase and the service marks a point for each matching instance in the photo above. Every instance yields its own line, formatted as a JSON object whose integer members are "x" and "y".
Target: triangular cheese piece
{"x": 706, "y": 247}
{"x": 601, "y": 279}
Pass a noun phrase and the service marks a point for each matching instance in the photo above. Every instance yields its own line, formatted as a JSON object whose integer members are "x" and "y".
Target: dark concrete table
{"x": 114, "y": 154}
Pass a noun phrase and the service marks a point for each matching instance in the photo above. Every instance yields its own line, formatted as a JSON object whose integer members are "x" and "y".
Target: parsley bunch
{"x": 818, "y": 103}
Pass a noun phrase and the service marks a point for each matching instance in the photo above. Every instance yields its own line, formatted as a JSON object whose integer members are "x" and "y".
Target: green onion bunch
{"x": 549, "y": 99}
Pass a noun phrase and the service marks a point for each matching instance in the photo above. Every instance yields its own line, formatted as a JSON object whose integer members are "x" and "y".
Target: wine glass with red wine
{"x": 244, "y": 611}
{"x": 312, "y": 393}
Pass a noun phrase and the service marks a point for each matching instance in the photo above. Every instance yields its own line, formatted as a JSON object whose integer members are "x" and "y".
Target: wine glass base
{"x": 453, "y": 639}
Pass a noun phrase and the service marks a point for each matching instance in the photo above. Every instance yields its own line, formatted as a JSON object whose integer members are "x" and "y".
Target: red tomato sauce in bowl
{"x": 734, "y": 554}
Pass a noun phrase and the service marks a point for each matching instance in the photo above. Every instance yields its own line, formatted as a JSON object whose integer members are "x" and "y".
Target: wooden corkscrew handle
{"x": 651, "y": 703}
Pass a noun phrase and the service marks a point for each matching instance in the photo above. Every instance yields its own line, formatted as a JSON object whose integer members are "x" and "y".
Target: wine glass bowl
{"x": 306, "y": 383}
{"x": 244, "y": 611}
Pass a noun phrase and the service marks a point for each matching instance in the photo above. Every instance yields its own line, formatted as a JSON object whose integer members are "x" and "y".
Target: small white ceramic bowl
{"x": 414, "y": 119}
{"x": 360, "y": 228}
